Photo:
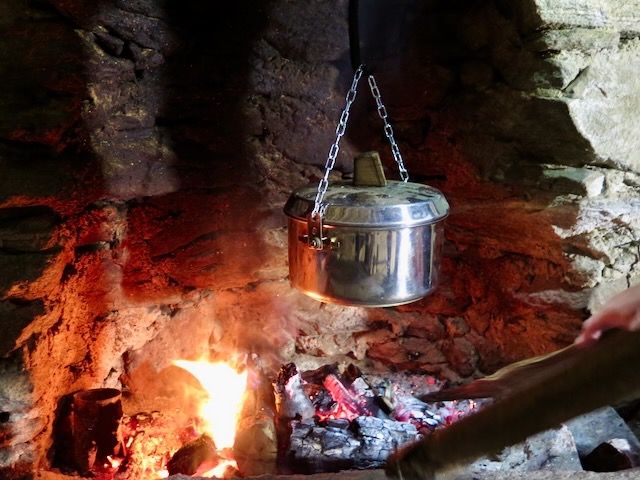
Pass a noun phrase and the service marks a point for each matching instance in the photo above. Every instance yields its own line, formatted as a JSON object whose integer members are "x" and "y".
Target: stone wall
{"x": 147, "y": 147}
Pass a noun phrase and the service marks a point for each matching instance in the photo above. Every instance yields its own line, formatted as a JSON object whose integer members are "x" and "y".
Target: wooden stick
{"x": 580, "y": 381}
{"x": 505, "y": 380}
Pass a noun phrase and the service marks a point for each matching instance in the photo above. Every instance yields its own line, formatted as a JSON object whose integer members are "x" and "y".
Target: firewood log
{"x": 256, "y": 443}
{"x": 191, "y": 456}
{"x": 576, "y": 382}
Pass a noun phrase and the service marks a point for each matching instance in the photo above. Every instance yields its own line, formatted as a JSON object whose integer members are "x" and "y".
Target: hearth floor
{"x": 632, "y": 474}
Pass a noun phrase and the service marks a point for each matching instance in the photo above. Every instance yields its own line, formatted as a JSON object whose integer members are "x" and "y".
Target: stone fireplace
{"x": 147, "y": 148}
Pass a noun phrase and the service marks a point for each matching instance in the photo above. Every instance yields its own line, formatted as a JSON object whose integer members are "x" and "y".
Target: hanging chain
{"x": 388, "y": 129}
{"x": 340, "y": 129}
{"x": 335, "y": 148}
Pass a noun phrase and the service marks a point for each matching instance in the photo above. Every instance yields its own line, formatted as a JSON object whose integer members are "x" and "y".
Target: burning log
{"x": 95, "y": 426}
{"x": 339, "y": 444}
{"x": 410, "y": 409}
{"x": 565, "y": 386}
{"x": 346, "y": 405}
{"x": 198, "y": 455}
{"x": 318, "y": 375}
{"x": 350, "y": 428}
{"x": 256, "y": 442}
{"x": 346, "y": 395}
{"x": 291, "y": 402}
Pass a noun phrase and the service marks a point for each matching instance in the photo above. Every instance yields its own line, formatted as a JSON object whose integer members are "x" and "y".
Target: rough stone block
{"x": 582, "y": 39}
{"x": 589, "y": 182}
{"x": 619, "y": 14}
{"x": 14, "y": 317}
{"x": 294, "y": 30}
{"x": 19, "y": 425}
{"x": 21, "y": 268}
{"x": 532, "y": 15}
{"x": 553, "y": 449}
{"x": 600, "y": 426}
{"x": 34, "y": 172}
{"x": 605, "y": 102}
{"x": 611, "y": 456}
{"x": 26, "y": 229}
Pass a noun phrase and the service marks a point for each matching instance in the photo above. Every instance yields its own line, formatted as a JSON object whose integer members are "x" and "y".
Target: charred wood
{"x": 95, "y": 426}
{"x": 422, "y": 415}
{"x": 192, "y": 456}
{"x": 351, "y": 374}
{"x": 339, "y": 444}
{"x": 318, "y": 375}
{"x": 347, "y": 403}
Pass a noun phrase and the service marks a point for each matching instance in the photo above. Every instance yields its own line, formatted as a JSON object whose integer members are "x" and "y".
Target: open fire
{"x": 302, "y": 422}
{"x": 219, "y": 412}
{"x": 335, "y": 420}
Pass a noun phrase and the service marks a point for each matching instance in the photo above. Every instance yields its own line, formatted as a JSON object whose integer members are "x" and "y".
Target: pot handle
{"x": 315, "y": 235}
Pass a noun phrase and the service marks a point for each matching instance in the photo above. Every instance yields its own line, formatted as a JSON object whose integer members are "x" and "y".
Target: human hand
{"x": 620, "y": 311}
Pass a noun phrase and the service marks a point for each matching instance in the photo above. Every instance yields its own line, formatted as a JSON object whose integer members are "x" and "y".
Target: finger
{"x": 634, "y": 325}
{"x": 593, "y": 327}
{"x": 585, "y": 339}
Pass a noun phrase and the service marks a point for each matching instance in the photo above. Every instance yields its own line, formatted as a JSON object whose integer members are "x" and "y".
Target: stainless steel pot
{"x": 375, "y": 246}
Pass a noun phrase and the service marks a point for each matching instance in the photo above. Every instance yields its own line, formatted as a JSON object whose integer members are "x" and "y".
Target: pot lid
{"x": 398, "y": 204}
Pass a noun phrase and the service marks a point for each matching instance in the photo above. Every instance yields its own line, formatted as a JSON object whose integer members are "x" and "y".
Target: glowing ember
{"x": 220, "y": 470}
{"x": 337, "y": 411}
{"x": 114, "y": 462}
{"x": 345, "y": 406}
{"x": 225, "y": 389}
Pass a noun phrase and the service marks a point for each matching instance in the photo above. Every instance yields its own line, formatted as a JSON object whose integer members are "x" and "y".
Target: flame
{"x": 225, "y": 389}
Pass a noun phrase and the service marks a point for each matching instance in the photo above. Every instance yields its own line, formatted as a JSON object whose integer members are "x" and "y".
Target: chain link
{"x": 388, "y": 129}
{"x": 335, "y": 148}
{"x": 340, "y": 129}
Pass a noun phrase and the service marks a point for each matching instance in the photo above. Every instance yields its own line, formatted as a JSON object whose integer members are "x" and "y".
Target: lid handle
{"x": 368, "y": 171}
